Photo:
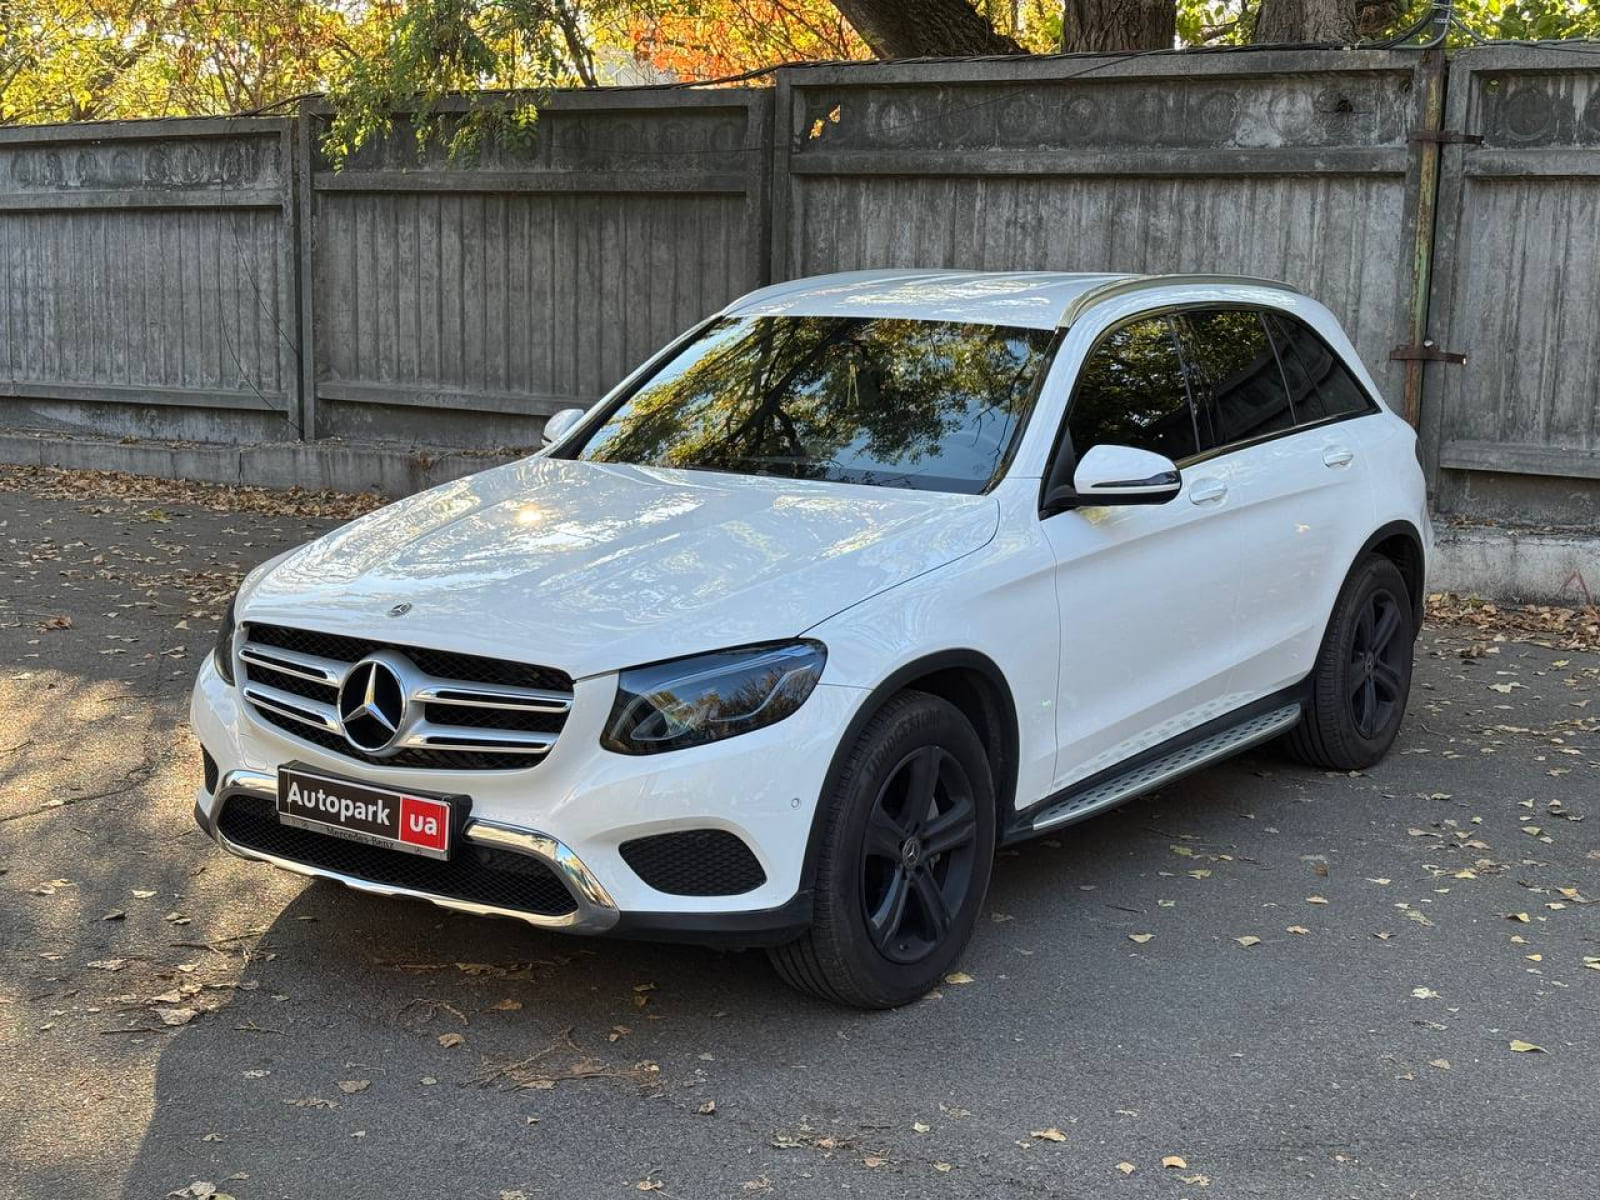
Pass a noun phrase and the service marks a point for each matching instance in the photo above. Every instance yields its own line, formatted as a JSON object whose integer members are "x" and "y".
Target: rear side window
{"x": 1321, "y": 385}
{"x": 1243, "y": 395}
{"x": 1131, "y": 392}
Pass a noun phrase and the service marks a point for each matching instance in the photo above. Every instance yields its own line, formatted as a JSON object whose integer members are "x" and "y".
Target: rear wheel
{"x": 1363, "y": 673}
{"x": 903, "y": 864}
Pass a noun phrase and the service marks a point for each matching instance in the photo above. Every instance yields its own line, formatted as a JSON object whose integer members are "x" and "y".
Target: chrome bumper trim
{"x": 596, "y": 912}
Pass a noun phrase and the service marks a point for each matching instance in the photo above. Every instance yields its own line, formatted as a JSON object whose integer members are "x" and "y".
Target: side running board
{"x": 1151, "y": 775}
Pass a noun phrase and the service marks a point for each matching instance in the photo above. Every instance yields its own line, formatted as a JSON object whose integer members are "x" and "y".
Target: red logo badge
{"x": 424, "y": 822}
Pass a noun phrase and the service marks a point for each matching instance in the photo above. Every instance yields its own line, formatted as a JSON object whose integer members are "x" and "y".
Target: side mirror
{"x": 558, "y": 425}
{"x": 1122, "y": 475}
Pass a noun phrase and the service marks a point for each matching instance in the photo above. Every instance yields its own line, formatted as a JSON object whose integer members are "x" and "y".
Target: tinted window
{"x": 900, "y": 403}
{"x": 1244, "y": 394}
{"x": 1320, "y": 383}
{"x": 1131, "y": 393}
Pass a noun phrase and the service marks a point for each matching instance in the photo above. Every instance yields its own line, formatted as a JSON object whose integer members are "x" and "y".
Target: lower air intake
{"x": 479, "y": 874}
{"x": 695, "y": 862}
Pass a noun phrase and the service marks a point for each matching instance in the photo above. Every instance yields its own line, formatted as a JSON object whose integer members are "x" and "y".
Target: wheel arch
{"x": 968, "y": 679}
{"x": 1401, "y": 543}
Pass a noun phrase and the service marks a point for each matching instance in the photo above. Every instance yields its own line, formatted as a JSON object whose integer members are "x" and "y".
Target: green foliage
{"x": 491, "y": 53}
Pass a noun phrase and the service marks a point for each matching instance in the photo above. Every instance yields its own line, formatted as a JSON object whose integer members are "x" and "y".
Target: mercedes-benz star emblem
{"x": 372, "y": 705}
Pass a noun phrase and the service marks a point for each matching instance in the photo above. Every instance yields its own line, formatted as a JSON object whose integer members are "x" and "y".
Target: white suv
{"x": 859, "y": 579}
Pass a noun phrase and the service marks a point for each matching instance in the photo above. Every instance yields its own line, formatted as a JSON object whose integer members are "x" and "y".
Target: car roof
{"x": 1030, "y": 299}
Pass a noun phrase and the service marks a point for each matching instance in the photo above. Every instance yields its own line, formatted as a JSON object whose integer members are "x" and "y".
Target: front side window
{"x": 899, "y": 403}
{"x": 1245, "y": 397}
{"x": 1131, "y": 392}
{"x": 1321, "y": 384}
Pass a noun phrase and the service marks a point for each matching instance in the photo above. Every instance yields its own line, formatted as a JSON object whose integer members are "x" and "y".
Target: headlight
{"x": 222, "y": 655}
{"x": 691, "y": 701}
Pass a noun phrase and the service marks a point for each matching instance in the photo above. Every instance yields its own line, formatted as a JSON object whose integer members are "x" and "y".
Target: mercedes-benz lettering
{"x": 862, "y": 578}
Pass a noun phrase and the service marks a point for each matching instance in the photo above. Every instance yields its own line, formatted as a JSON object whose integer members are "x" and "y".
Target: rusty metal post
{"x": 1431, "y": 74}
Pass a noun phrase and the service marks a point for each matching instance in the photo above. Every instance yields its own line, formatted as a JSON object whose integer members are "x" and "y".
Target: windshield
{"x": 898, "y": 403}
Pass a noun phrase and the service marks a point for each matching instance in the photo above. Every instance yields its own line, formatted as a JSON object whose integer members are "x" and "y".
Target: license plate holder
{"x": 425, "y": 823}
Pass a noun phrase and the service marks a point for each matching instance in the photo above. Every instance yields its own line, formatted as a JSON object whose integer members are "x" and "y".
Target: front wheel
{"x": 1362, "y": 678}
{"x": 903, "y": 865}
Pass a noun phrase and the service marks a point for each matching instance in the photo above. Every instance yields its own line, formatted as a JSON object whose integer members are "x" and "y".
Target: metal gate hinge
{"x": 1446, "y": 137}
{"x": 1427, "y": 352}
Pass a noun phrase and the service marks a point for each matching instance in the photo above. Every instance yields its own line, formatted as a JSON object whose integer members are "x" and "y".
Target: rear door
{"x": 1142, "y": 589}
{"x": 1274, "y": 431}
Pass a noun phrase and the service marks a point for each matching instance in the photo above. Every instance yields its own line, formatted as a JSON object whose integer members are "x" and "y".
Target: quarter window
{"x": 1131, "y": 392}
{"x": 1322, "y": 386}
{"x": 1244, "y": 397}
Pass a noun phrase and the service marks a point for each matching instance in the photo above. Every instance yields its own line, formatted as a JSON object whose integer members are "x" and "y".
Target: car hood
{"x": 591, "y": 567}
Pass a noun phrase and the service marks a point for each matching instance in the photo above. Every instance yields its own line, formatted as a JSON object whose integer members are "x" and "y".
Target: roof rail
{"x": 1100, "y": 293}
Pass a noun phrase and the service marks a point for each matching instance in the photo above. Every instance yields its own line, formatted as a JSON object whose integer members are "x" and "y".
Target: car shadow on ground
{"x": 357, "y": 1022}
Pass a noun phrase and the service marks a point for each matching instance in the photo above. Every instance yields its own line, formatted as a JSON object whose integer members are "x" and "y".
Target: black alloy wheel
{"x": 921, "y": 841}
{"x": 904, "y": 843}
{"x": 1356, "y": 694}
{"x": 1378, "y": 658}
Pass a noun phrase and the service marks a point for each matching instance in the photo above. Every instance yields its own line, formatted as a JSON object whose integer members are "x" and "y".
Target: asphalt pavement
{"x": 1265, "y": 981}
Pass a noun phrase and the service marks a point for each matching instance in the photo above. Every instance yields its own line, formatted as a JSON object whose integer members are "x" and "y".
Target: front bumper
{"x": 575, "y": 809}
{"x": 595, "y": 911}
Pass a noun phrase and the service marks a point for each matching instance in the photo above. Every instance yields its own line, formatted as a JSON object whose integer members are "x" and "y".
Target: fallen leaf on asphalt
{"x": 649, "y": 1185}
{"x": 506, "y": 1006}
{"x": 49, "y": 623}
{"x": 1521, "y": 916}
{"x": 958, "y": 977}
{"x": 707, "y": 1109}
{"x": 450, "y": 1040}
{"x": 1422, "y": 993}
{"x": 872, "y": 1161}
{"x": 176, "y": 1016}
{"x": 51, "y": 887}
{"x": 1049, "y": 1135}
{"x": 142, "y": 894}
{"x": 1127, "y": 1168}
{"x": 942, "y": 1167}
{"x": 1141, "y": 938}
{"x": 107, "y": 964}
{"x": 1522, "y": 1047}
{"x": 1202, "y": 873}
{"x": 1172, "y": 1160}
{"x": 1297, "y": 929}
{"x": 1381, "y": 882}
{"x": 351, "y": 1086}
{"x": 1248, "y": 940}
{"x": 1315, "y": 900}
{"x": 920, "y": 1127}
{"x": 116, "y": 914}
{"x": 212, "y": 1137}
{"x": 1442, "y": 1063}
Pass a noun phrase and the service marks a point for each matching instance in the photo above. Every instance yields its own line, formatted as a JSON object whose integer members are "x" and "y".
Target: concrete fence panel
{"x": 1270, "y": 163}
{"x": 1514, "y": 432}
{"x": 460, "y": 305}
{"x": 147, "y": 280}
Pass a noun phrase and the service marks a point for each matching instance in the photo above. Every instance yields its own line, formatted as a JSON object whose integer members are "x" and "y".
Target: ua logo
{"x": 424, "y": 822}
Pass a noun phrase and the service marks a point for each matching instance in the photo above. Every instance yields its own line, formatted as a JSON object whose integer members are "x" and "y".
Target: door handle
{"x": 1207, "y": 491}
{"x": 1338, "y": 456}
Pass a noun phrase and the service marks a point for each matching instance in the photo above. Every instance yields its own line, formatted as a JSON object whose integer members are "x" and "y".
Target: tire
{"x": 892, "y": 913}
{"x": 1362, "y": 677}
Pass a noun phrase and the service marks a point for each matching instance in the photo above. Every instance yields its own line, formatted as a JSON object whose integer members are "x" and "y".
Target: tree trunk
{"x": 1113, "y": 25}
{"x": 924, "y": 28}
{"x": 1306, "y": 21}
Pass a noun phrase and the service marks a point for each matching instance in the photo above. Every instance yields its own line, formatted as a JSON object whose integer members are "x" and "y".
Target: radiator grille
{"x": 463, "y": 711}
